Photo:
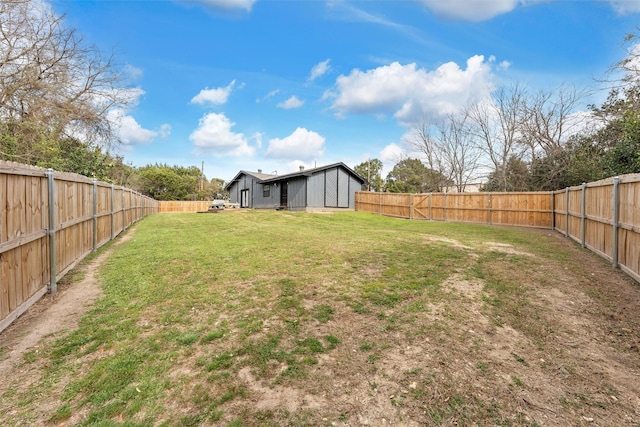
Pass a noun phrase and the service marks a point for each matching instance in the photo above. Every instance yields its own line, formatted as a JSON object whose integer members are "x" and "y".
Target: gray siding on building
{"x": 315, "y": 190}
{"x": 244, "y": 182}
{"x": 297, "y": 193}
{"x": 261, "y": 202}
{"x": 234, "y": 193}
{"x": 331, "y": 188}
{"x": 343, "y": 188}
{"x": 354, "y": 185}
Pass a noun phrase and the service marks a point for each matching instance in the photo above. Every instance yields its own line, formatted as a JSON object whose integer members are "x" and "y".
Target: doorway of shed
{"x": 244, "y": 198}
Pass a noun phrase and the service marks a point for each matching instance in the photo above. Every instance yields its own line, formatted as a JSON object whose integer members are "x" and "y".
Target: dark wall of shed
{"x": 297, "y": 193}
{"x": 270, "y": 202}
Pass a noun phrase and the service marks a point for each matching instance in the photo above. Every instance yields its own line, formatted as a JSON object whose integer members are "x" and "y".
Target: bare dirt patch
{"x": 569, "y": 354}
{"x": 52, "y": 315}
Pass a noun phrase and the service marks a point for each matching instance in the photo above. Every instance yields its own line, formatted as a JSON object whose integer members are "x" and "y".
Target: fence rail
{"x": 603, "y": 216}
{"x": 49, "y": 223}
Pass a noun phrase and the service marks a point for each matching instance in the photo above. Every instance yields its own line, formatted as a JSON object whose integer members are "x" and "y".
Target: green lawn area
{"x": 271, "y": 318}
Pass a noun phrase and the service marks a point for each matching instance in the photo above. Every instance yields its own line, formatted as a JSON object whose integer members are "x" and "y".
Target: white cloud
{"x": 217, "y": 96}
{"x": 390, "y": 155}
{"x": 319, "y": 70}
{"x": 470, "y": 10}
{"x": 165, "y": 130}
{"x": 230, "y": 4}
{"x": 132, "y": 72}
{"x": 257, "y": 137}
{"x": 294, "y": 166}
{"x": 625, "y": 7}
{"x": 128, "y": 130}
{"x": 269, "y": 95}
{"x": 291, "y": 103}
{"x": 214, "y": 134}
{"x": 301, "y": 144}
{"x": 410, "y": 92}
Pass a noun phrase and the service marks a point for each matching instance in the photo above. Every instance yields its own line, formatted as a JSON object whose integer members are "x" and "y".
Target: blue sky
{"x": 275, "y": 84}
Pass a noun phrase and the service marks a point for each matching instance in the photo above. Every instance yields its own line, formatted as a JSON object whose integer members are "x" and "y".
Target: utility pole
{"x": 202, "y": 176}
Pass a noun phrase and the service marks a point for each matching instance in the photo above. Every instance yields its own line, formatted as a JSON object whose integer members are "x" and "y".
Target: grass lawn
{"x": 264, "y": 318}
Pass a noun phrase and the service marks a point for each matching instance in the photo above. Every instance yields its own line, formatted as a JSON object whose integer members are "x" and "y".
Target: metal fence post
{"x": 553, "y": 210}
{"x": 113, "y": 195}
{"x": 566, "y": 216}
{"x": 616, "y": 213}
{"x": 95, "y": 215}
{"x": 124, "y": 215}
{"x": 583, "y": 213}
{"x": 51, "y": 231}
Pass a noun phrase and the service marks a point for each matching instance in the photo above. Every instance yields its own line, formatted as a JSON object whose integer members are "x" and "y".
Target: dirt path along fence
{"x": 49, "y": 221}
{"x": 603, "y": 216}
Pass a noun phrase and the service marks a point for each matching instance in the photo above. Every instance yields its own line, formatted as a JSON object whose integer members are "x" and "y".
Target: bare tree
{"x": 497, "y": 127}
{"x": 447, "y": 147}
{"x": 51, "y": 83}
{"x": 549, "y": 118}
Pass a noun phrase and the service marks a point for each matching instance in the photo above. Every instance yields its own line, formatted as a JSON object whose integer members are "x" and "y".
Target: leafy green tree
{"x": 371, "y": 170}
{"x": 412, "y": 176}
{"x": 215, "y": 189}
{"x": 164, "y": 182}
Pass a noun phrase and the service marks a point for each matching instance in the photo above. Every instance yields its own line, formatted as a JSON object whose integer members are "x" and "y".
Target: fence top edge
{"x": 477, "y": 193}
{"x": 14, "y": 168}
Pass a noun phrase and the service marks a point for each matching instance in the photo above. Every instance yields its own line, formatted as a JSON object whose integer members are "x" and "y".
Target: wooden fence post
{"x": 616, "y": 214}
{"x": 51, "y": 231}
{"x": 566, "y": 216}
{"x": 430, "y": 206}
{"x": 380, "y": 204}
{"x": 489, "y": 208}
{"x": 445, "y": 207}
{"x": 583, "y": 213}
{"x": 411, "y": 206}
{"x": 95, "y": 215}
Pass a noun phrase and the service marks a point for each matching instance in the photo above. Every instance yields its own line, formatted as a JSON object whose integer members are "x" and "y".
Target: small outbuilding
{"x": 331, "y": 186}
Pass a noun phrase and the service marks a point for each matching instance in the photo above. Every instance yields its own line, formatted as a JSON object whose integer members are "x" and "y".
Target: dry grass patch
{"x": 272, "y": 318}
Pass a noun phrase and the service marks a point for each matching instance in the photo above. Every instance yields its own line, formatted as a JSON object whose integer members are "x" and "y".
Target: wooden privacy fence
{"x": 182, "y": 206}
{"x": 523, "y": 209}
{"x": 603, "y": 216}
{"x": 49, "y": 221}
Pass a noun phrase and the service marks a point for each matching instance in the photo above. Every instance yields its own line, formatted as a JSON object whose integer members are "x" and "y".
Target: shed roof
{"x": 309, "y": 172}
{"x": 266, "y": 177}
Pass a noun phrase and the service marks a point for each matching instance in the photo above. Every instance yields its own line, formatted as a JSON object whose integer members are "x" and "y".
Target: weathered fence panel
{"x": 54, "y": 219}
